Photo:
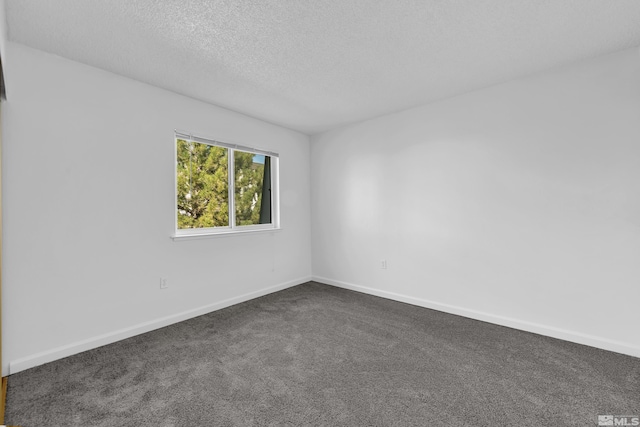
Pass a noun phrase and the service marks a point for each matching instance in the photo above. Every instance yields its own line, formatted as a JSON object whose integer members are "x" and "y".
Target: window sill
{"x": 225, "y": 233}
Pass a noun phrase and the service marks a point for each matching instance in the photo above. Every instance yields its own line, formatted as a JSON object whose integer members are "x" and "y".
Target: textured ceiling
{"x": 314, "y": 65}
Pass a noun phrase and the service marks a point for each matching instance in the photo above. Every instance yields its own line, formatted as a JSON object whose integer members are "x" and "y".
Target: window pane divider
{"x": 231, "y": 177}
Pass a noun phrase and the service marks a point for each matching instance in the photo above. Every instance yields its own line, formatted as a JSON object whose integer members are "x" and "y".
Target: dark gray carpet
{"x": 320, "y": 356}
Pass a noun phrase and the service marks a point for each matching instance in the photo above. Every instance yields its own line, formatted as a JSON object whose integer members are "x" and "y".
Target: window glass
{"x": 203, "y": 189}
{"x": 252, "y": 188}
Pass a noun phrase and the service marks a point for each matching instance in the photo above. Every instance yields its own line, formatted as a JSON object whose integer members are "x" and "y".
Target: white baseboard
{"x": 536, "y": 328}
{"x": 111, "y": 337}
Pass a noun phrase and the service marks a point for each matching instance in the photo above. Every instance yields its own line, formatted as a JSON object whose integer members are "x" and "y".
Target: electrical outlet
{"x": 383, "y": 264}
{"x": 163, "y": 283}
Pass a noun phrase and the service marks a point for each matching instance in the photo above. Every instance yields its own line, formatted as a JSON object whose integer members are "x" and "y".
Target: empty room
{"x": 320, "y": 213}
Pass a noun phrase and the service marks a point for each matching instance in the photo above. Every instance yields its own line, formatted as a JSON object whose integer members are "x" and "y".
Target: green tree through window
{"x": 249, "y": 172}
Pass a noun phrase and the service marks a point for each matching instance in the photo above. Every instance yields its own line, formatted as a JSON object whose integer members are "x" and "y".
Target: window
{"x": 224, "y": 188}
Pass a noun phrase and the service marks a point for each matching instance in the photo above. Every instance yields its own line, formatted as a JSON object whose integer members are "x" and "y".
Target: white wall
{"x": 3, "y": 32}
{"x": 518, "y": 204}
{"x": 89, "y": 208}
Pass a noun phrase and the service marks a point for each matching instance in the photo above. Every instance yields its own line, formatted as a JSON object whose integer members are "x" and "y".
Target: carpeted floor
{"x": 316, "y": 355}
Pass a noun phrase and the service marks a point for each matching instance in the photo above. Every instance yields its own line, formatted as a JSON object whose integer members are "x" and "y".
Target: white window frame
{"x": 232, "y": 228}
